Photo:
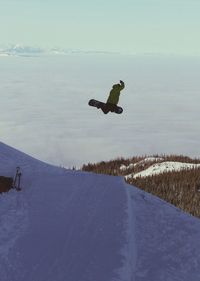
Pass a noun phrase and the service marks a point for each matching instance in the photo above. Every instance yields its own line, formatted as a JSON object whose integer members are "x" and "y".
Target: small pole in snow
{"x": 17, "y": 180}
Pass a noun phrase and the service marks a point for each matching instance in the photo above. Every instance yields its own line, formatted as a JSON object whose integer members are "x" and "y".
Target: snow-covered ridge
{"x": 142, "y": 162}
{"x": 10, "y": 158}
{"x": 29, "y": 51}
{"x": 19, "y": 50}
{"x": 163, "y": 167}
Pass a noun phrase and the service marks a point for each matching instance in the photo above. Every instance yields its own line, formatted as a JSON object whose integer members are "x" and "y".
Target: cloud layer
{"x": 45, "y": 112}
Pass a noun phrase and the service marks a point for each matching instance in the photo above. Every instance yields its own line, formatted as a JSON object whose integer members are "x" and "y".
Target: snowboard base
{"x": 106, "y": 107}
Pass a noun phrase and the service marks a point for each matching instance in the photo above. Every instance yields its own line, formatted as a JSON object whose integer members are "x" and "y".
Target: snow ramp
{"x": 75, "y": 226}
{"x": 63, "y": 225}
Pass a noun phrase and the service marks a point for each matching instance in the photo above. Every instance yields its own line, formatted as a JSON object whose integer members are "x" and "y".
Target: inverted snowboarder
{"x": 112, "y": 101}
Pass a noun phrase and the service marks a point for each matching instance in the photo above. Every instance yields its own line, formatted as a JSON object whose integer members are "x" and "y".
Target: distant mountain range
{"x": 28, "y": 51}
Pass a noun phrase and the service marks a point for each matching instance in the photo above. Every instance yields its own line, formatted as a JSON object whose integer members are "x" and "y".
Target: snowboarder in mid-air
{"x": 112, "y": 101}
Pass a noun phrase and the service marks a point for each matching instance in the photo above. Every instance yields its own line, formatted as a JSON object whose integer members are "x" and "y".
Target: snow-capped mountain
{"x": 72, "y": 225}
{"x": 21, "y": 50}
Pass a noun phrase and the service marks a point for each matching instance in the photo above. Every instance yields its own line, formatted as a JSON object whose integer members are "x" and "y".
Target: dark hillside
{"x": 181, "y": 188}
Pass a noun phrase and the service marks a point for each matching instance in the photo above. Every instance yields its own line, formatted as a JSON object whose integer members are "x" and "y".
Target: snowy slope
{"x": 163, "y": 167}
{"x": 75, "y": 226}
{"x": 140, "y": 163}
{"x": 167, "y": 241}
{"x": 63, "y": 225}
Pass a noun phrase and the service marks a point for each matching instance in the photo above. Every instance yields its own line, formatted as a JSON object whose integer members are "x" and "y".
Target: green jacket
{"x": 115, "y": 93}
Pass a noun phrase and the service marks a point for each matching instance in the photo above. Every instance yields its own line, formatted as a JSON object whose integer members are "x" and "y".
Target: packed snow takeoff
{"x": 73, "y": 225}
{"x": 112, "y": 101}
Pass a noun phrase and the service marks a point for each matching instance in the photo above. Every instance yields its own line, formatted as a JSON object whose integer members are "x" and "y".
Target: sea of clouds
{"x": 45, "y": 113}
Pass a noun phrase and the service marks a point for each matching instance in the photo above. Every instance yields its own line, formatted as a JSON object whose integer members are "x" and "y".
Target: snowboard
{"x": 105, "y": 107}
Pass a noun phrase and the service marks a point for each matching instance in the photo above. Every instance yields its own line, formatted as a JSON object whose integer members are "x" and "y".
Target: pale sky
{"x": 129, "y": 26}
